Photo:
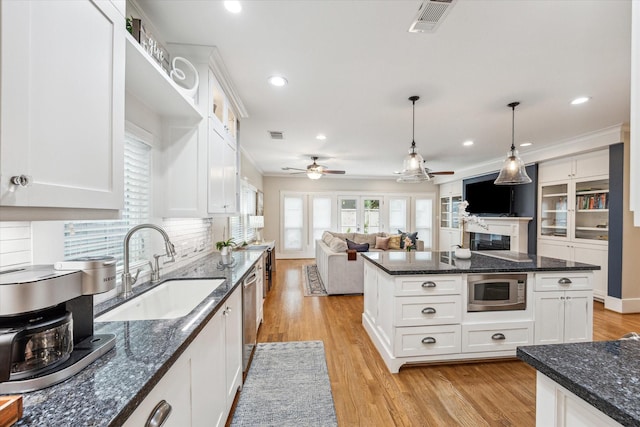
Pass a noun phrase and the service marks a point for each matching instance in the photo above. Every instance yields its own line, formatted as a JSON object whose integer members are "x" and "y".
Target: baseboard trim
{"x": 624, "y": 306}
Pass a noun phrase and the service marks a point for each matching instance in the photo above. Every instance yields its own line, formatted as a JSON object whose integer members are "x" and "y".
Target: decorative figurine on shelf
{"x": 187, "y": 82}
{"x": 460, "y": 251}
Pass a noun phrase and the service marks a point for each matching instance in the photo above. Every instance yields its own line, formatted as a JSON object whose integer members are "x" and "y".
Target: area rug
{"x": 287, "y": 385}
{"x": 312, "y": 283}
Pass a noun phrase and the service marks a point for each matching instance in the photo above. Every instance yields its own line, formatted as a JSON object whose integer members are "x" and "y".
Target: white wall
{"x": 274, "y": 185}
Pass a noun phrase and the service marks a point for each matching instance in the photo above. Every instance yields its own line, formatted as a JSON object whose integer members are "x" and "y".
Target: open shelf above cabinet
{"x": 148, "y": 82}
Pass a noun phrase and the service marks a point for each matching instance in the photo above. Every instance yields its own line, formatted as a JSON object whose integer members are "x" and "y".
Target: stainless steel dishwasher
{"x": 249, "y": 303}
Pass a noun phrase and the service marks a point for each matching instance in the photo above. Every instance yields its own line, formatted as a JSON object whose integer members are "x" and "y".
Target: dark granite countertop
{"x": 413, "y": 263}
{"x": 605, "y": 374}
{"x": 108, "y": 391}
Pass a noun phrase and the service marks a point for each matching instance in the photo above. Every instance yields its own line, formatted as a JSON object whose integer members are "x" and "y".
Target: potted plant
{"x": 224, "y": 246}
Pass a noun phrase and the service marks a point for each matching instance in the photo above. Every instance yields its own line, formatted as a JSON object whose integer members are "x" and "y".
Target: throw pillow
{"x": 338, "y": 245}
{"x": 365, "y": 238}
{"x": 326, "y": 237}
{"x": 360, "y": 247}
{"x": 382, "y": 243}
{"x": 413, "y": 236}
{"x": 394, "y": 241}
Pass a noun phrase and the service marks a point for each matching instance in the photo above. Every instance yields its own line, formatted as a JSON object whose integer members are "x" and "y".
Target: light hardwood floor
{"x": 366, "y": 394}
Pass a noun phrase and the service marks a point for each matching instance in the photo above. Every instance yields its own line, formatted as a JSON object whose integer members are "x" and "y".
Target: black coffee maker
{"x": 46, "y": 321}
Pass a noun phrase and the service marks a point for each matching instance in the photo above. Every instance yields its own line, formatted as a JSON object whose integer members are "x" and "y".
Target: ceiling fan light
{"x": 314, "y": 174}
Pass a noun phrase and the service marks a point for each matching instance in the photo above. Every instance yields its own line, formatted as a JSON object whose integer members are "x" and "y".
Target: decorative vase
{"x": 224, "y": 251}
{"x": 462, "y": 253}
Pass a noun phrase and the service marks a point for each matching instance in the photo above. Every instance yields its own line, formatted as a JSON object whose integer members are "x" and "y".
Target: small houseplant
{"x": 464, "y": 217}
{"x": 225, "y": 246}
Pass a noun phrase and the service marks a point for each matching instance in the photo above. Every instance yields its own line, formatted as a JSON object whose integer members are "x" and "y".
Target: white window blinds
{"x": 239, "y": 228}
{"x": 105, "y": 238}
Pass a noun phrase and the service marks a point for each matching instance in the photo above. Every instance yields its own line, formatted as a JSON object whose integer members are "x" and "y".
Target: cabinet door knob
{"x": 499, "y": 336}
{"x": 564, "y": 281}
{"x": 159, "y": 414}
{"x": 428, "y": 310}
{"x": 428, "y": 340}
{"x": 20, "y": 180}
{"x": 428, "y": 284}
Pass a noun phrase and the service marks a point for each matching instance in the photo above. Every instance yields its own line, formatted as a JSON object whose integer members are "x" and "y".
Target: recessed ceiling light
{"x": 526, "y": 144}
{"x": 321, "y": 137}
{"x": 233, "y": 6}
{"x": 468, "y": 143}
{"x": 580, "y": 100}
{"x": 278, "y": 81}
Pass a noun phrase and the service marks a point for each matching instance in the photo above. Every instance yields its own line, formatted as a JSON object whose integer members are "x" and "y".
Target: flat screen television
{"x": 487, "y": 199}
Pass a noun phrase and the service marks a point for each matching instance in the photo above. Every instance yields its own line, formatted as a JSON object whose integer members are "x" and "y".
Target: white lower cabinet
{"x": 563, "y": 316}
{"x": 202, "y": 384}
{"x": 557, "y": 406}
{"x": 174, "y": 388}
{"x": 563, "y": 307}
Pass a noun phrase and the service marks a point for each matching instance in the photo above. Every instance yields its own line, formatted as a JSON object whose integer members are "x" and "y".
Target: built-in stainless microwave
{"x": 494, "y": 292}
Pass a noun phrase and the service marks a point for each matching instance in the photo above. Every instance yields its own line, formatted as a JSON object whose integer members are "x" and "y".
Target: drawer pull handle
{"x": 564, "y": 281}
{"x": 428, "y": 284}
{"x": 498, "y": 337}
{"x": 428, "y": 310}
{"x": 159, "y": 414}
{"x": 428, "y": 340}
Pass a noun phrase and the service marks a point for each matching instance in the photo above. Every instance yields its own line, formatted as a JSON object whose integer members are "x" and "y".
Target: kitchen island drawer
{"x": 428, "y": 285}
{"x": 496, "y": 336}
{"x": 427, "y": 311}
{"x": 568, "y": 281}
{"x": 427, "y": 340}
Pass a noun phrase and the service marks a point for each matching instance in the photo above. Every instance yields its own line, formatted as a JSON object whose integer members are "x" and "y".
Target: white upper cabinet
{"x": 220, "y": 111}
{"x": 199, "y": 165}
{"x": 582, "y": 166}
{"x": 62, "y": 108}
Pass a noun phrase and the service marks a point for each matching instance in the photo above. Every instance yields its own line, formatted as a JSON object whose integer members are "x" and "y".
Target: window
{"x": 398, "y": 214}
{"x": 105, "y": 238}
{"x": 239, "y": 228}
{"x": 424, "y": 221}
{"x": 293, "y": 208}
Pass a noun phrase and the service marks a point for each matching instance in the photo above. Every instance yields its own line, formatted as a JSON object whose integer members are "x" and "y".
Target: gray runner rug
{"x": 287, "y": 385}
{"x": 312, "y": 283}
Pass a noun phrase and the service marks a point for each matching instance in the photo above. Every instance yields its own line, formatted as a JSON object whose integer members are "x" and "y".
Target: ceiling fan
{"x": 314, "y": 170}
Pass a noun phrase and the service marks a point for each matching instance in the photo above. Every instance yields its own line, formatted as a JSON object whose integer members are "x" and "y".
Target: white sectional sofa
{"x": 339, "y": 275}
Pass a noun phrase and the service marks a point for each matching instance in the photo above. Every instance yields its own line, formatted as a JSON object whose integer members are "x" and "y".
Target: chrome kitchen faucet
{"x": 127, "y": 280}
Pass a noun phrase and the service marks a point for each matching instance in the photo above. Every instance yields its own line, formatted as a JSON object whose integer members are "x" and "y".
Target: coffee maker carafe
{"x": 46, "y": 321}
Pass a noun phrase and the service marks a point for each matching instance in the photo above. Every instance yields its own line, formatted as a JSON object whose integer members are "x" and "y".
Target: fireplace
{"x": 499, "y": 233}
{"x": 489, "y": 242}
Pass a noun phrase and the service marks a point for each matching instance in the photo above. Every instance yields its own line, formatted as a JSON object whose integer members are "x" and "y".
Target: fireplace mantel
{"x": 515, "y": 227}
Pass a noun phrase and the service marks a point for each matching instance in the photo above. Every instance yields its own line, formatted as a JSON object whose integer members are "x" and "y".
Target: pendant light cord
{"x": 413, "y": 99}
{"x": 513, "y": 106}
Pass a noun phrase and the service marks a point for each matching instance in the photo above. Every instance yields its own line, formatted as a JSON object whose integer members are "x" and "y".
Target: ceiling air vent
{"x": 430, "y": 15}
{"x": 276, "y": 134}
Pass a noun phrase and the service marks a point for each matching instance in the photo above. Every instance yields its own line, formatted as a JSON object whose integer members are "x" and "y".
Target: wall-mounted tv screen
{"x": 486, "y": 198}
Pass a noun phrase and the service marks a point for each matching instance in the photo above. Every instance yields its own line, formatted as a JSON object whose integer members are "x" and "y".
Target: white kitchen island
{"x": 415, "y": 306}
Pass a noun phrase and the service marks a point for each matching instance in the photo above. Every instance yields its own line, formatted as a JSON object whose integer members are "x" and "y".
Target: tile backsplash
{"x": 15, "y": 244}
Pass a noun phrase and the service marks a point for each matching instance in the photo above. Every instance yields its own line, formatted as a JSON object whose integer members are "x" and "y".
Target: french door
{"x": 304, "y": 218}
{"x": 360, "y": 214}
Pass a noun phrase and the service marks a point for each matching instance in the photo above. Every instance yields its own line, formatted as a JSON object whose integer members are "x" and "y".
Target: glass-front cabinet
{"x": 449, "y": 211}
{"x": 592, "y": 210}
{"x": 575, "y": 210}
{"x": 554, "y": 210}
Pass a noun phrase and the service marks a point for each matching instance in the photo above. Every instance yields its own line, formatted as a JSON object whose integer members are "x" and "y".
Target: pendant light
{"x": 513, "y": 171}
{"x": 412, "y": 167}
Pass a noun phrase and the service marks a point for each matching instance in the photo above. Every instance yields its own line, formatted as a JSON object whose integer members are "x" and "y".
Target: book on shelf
{"x": 592, "y": 201}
